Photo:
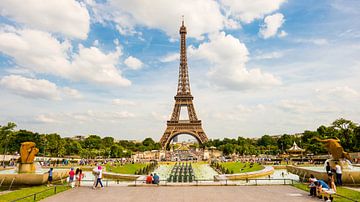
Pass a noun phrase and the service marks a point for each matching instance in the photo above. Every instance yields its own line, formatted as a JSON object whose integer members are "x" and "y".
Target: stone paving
{"x": 280, "y": 193}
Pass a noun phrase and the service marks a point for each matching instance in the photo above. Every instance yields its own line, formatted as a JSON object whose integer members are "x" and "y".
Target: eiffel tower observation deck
{"x": 183, "y": 101}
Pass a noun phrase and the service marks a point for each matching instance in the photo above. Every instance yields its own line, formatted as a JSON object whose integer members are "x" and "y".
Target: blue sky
{"x": 110, "y": 67}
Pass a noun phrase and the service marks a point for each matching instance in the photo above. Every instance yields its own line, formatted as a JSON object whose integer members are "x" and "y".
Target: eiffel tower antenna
{"x": 183, "y": 98}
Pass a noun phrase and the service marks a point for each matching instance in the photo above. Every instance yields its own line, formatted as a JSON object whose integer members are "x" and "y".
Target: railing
{"x": 225, "y": 182}
{"x": 35, "y": 196}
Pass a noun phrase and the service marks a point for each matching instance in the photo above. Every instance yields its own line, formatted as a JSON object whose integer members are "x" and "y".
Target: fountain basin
{"x": 31, "y": 178}
{"x": 349, "y": 177}
{"x": 268, "y": 170}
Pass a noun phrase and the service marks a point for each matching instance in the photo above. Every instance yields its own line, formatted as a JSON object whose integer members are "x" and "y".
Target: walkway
{"x": 188, "y": 193}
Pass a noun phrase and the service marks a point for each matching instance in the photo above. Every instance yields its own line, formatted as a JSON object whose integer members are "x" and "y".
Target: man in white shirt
{"x": 338, "y": 174}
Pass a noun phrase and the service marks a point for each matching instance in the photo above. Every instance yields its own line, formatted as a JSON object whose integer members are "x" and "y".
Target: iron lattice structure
{"x": 183, "y": 98}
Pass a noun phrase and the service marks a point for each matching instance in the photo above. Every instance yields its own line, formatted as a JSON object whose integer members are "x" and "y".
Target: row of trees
{"x": 54, "y": 145}
{"x": 94, "y": 146}
{"x": 346, "y": 131}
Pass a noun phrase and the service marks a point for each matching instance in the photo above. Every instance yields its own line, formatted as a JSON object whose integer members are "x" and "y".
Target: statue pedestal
{"x": 27, "y": 168}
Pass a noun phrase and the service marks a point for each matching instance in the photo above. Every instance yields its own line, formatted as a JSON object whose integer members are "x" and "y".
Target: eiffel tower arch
{"x": 183, "y": 99}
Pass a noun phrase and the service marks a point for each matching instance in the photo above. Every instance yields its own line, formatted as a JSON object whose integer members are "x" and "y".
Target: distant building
{"x": 79, "y": 137}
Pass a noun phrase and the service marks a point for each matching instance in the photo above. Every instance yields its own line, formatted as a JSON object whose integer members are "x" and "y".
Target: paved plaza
{"x": 185, "y": 193}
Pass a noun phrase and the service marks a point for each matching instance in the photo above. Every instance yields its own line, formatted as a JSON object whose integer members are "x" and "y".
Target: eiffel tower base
{"x": 191, "y": 128}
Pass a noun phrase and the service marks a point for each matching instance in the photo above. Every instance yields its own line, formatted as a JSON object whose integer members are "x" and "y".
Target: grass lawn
{"x": 239, "y": 167}
{"x": 22, "y": 192}
{"x": 126, "y": 168}
{"x": 340, "y": 190}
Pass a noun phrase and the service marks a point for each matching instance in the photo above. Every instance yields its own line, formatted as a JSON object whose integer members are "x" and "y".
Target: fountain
{"x": 27, "y": 173}
{"x": 350, "y": 174}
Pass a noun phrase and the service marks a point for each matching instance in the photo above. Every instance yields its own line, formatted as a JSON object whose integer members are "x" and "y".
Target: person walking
{"x": 99, "y": 177}
{"x": 338, "y": 172}
{"x": 96, "y": 174}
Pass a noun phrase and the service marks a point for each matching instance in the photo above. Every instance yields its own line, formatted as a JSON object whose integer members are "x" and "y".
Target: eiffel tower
{"x": 183, "y": 99}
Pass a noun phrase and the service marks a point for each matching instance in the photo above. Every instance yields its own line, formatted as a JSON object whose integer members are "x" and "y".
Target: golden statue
{"x": 334, "y": 148}
{"x": 28, "y": 152}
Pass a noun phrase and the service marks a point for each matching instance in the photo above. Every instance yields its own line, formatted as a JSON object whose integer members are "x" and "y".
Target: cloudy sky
{"x": 110, "y": 67}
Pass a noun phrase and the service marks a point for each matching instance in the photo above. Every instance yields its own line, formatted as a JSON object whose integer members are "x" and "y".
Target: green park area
{"x": 238, "y": 167}
{"x": 340, "y": 191}
{"x": 126, "y": 168}
{"x": 28, "y": 193}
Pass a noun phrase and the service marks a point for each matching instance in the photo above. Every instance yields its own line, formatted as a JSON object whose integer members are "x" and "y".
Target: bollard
{"x": 55, "y": 189}
{"x": 34, "y": 197}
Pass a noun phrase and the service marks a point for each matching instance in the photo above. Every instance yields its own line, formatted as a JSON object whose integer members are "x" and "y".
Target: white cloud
{"x": 170, "y": 57}
{"x": 43, "y": 118}
{"x": 270, "y": 55}
{"x": 249, "y": 10}
{"x": 40, "y": 52}
{"x": 271, "y": 25}
{"x": 228, "y": 57}
{"x": 133, "y": 63}
{"x": 83, "y": 117}
{"x": 315, "y": 41}
{"x": 338, "y": 92}
{"x": 122, "y": 102}
{"x": 162, "y": 14}
{"x": 249, "y": 109}
{"x": 36, "y": 88}
{"x": 298, "y": 106}
{"x": 68, "y": 17}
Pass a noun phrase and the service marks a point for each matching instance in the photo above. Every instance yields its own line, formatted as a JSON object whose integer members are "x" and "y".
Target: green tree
{"x": 55, "y": 145}
{"x": 266, "y": 140}
{"x": 346, "y": 131}
{"x": 6, "y": 132}
{"x": 284, "y": 142}
{"x": 107, "y": 142}
{"x": 92, "y": 142}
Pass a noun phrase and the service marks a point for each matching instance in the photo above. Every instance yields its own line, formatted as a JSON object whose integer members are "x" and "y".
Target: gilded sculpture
{"x": 28, "y": 152}
{"x": 335, "y": 149}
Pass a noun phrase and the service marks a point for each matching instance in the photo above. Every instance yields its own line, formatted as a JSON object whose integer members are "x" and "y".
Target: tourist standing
{"x": 338, "y": 174}
{"x": 79, "y": 177}
{"x": 328, "y": 168}
{"x": 50, "y": 177}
